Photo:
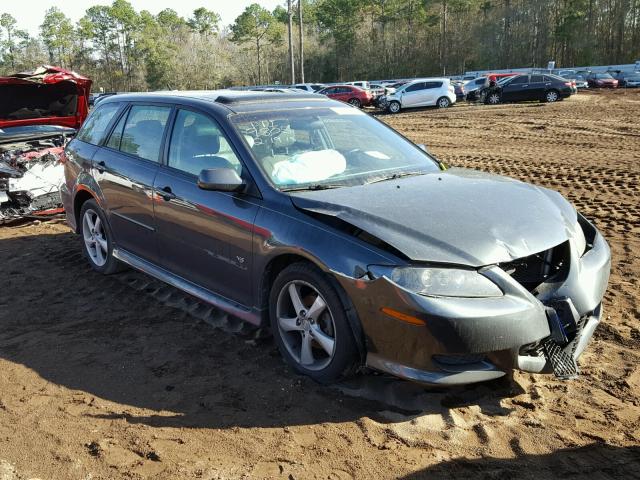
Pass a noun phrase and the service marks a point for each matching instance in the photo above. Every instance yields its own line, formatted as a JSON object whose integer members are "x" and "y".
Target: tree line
{"x": 122, "y": 49}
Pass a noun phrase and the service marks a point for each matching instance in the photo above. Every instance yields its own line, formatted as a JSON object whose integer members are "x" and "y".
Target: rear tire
{"x": 551, "y": 96}
{"x": 394, "y": 107}
{"x": 355, "y": 102}
{"x": 310, "y": 325}
{"x": 97, "y": 239}
{"x": 443, "y": 102}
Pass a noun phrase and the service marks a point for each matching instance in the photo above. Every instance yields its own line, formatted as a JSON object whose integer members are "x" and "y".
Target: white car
{"x": 361, "y": 84}
{"x": 422, "y": 92}
{"x": 308, "y": 87}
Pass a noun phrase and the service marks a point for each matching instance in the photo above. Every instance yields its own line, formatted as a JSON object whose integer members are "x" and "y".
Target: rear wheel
{"x": 551, "y": 96}
{"x": 309, "y": 323}
{"x": 97, "y": 239}
{"x": 355, "y": 102}
{"x": 443, "y": 102}
{"x": 394, "y": 107}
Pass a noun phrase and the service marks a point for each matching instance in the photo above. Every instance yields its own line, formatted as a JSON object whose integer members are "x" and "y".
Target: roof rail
{"x": 266, "y": 97}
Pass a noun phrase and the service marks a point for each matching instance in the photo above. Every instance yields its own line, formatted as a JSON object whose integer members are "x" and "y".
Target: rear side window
{"x": 143, "y": 130}
{"x": 96, "y": 125}
{"x": 537, "y": 79}
{"x": 432, "y": 85}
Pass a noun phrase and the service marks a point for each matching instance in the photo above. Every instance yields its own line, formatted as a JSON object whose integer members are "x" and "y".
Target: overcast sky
{"x": 30, "y": 13}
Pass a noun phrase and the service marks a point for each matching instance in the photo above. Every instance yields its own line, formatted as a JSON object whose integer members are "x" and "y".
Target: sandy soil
{"x": 122, "y": 377}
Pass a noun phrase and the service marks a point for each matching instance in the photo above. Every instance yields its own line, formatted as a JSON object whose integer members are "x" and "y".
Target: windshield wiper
{"x": 395, "y": 176}
{"x": 315, "y": 186}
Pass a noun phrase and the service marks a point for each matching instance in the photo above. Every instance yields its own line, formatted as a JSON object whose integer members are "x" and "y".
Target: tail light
{"x": 569, "y": 84}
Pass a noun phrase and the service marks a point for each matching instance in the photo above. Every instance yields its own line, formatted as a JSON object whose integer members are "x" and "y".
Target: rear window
{"x": 96, "y": 125}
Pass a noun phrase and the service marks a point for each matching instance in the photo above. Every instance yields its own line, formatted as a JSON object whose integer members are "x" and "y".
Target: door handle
{"x": 167, "y": 194}
{"x": 101, "y": 166}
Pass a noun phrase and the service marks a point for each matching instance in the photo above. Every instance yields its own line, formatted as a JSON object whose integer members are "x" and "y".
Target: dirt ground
{"x": 122, "y": 377}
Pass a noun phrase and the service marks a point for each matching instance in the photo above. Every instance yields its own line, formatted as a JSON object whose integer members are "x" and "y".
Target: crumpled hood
{"x": 458, "y": 216}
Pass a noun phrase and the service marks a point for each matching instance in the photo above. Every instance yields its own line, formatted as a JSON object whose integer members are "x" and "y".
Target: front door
{"x": 125, "y": 168}
{"x": 203, "y": 236}
{"x": 516, "y": 89}
{"x": 414, "y": 95}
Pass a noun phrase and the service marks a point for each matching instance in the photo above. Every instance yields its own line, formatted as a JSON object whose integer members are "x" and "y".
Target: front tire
{"x": 394, "y": 107}
{"x": 310, "y": 325}
{"x": 97, "y": 239}
{"x": 494, "y": 98}
{"x": 443, "y": 102}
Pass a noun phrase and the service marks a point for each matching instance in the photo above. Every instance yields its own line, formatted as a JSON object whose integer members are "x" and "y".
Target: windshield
{"x": 504, "y": 80}
{"x": 603, "y": 76}
{"x": 328, "y": 147}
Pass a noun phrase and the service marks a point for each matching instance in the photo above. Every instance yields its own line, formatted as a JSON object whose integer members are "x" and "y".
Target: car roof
{"x": 428, "y": 79}
{"x": 232, "y": 99}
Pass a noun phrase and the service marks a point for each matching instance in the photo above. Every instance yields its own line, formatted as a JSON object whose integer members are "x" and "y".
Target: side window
{"x": 537, "y": 79}
{"x": 480, "y": 81}
{"x": 96, "y": 125}
{"x": 520, "y": 79}
{"x": 429, "y": 85}
{"x": 143, "y": 130}
{"x": 116, "y": 135}
{"x": 415, "y": 87}
{"x": 197, "y": 143}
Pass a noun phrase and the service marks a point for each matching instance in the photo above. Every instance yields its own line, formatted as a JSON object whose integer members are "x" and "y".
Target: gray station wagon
{"x": 354, "y": 244}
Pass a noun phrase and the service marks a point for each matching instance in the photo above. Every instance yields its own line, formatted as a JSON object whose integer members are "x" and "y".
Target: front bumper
{"x": 466, "y": 340}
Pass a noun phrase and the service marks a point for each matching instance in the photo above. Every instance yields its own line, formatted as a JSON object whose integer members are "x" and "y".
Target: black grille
{"x": 547, "y": 266}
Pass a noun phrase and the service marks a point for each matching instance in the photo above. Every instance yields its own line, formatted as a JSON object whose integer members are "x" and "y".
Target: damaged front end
{"x": 31, "y": 170}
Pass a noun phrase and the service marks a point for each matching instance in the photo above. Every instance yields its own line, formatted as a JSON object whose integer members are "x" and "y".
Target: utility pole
{"x": 301, "y": 35}
{"x": 291, "y": 60}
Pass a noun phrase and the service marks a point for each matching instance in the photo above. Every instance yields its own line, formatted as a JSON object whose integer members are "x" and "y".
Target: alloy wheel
{"x": 306, "y": 325}
{"x": 494, "y": 99}
{"x": 95, "y": 239}
{"x": 444, "y": 103}
{"x": 552, "y": 97}
{"x": 355, "y": 102}
{"x": 394, "y": 107}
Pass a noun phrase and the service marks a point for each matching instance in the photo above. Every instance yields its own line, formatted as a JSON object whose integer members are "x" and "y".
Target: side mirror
{"x": 423, "y": 147}
{"x": 221, "y": 180}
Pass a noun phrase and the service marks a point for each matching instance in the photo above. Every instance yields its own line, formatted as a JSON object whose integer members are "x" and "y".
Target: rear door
{"x": 125, "y": 168}
{"x": 537, "y": 87}
{"x": 203, "y": 236}
{"x": 432, "y": 91}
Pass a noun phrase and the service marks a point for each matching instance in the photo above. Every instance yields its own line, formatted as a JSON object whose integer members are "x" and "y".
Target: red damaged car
{"x": 355, "y": 96}
{"x": 39, "y": 112}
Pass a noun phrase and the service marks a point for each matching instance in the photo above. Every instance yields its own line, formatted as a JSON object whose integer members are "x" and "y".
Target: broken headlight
{"x": 440, "y": 282}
